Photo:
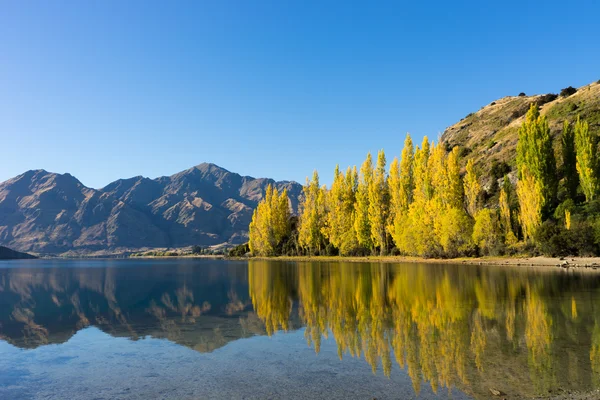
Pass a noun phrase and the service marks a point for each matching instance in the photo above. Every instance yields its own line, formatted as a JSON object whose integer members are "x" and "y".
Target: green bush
{"x": 551, "y": 241}
{"x": 464, "y": 151}
{"x": 568, "y": 91}
{"x": 555, "y": 240}
{"x": 567, "y": 205}
{"x": 239, "y": 250}
{"x": 499, "y": 169}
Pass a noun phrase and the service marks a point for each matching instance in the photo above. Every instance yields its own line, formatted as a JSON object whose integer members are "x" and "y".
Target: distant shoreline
{"x": 564, "y": 263}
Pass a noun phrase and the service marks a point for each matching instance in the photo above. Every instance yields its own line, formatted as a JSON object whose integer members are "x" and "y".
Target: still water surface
{"x": 197, "y": 329}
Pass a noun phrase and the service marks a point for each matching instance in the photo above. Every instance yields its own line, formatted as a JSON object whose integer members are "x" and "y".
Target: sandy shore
{"x": 593, "y": 395}
{"x": 587, "y": 263}
{"x": 591, "y": 263}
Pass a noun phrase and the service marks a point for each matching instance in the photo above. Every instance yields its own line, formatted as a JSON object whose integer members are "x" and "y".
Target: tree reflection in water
{"x": 529, "y": 331}
{"x": 450, "y": 326}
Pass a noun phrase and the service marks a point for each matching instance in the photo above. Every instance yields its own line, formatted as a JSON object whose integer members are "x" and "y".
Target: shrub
{"x": 499, "y": 169}
{"x": 546, "y": 98}
{"x": 522, "y": 94}
{"x": 573, "y": 107}
{"x": 567, "y": 205}
{"x": 464, "y": 151}
{"x": 394, "y": 251}
{"x": 568, "y": 91}
{"x": 196, "y": 249}
{"x": 239, "y": 250}
{"x": 331, "y": 250}
{"x": 553, "y": 239}
{"x": 519, "y": 112}
{"x": 550, "y": 240}
{"x": 591, "y": 209}
{"x": 581, "y": 238}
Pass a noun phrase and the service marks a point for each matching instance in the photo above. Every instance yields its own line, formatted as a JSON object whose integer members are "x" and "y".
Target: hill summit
{"x": 489, "y": 136}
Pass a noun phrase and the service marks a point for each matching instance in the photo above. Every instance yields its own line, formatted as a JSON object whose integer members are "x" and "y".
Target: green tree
{"x": 569, "y": 160}
{"x": 536, "y": 154}
{"x": 586, "y": 145}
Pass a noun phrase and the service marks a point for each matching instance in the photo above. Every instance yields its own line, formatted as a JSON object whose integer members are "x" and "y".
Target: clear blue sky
{"x": 111, "y": 89}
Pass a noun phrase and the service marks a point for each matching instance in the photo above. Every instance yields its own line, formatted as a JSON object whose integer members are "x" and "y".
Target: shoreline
{"x": 564, "y": 263}
{"x": 587, "y": 263}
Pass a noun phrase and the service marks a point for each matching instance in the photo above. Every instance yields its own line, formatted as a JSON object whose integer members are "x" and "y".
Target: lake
{"x": 204, "y": 329}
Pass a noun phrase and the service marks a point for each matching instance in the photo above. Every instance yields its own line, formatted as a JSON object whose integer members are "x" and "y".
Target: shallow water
{"x": 187, "y": 329}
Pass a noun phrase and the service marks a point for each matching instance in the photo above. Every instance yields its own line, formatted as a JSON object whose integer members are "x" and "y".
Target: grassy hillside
{"x": 489, "y": 136}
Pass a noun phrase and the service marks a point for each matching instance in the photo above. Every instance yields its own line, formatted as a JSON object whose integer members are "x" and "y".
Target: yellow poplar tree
{"x": 506, "y": 213}
{"x": 407, "y": 182}
{"x": 486, "y": 232}
{"x": 453, "y": 226}
{"x": 404, "y": 191}
{"x": 340, "y": 224}
{"x": 394, "y": 192}
{"x": 379, "y": 204}
{"x": 455, "y": 189}
{"x": 472, "y": 188}
{"x": 531, "y": 199}
{"x": 362, "y": 224}
{"x": 270, "y": 223}
{"x": 416, "y": 234}
{"x": 586, "y": 145}
{"x": 437, "y": 172}
{"x": 312, "y": 216}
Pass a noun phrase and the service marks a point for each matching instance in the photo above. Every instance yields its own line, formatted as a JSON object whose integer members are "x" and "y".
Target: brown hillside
{"x": 489, "y": 136}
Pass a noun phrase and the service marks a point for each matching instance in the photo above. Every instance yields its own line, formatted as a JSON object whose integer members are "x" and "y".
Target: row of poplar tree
{"x": 427, "y": 206}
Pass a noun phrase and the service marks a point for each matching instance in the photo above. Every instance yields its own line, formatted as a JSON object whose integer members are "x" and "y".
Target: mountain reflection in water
{"x": 524, "y": 331}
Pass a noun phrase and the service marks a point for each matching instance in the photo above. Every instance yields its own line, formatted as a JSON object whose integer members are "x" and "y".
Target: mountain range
{"x": 48, "y": 213}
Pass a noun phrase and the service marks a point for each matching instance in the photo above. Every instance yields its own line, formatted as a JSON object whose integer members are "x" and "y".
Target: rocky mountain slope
{"x": 48, "y": 213}
{"x": 489, "y": 136}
